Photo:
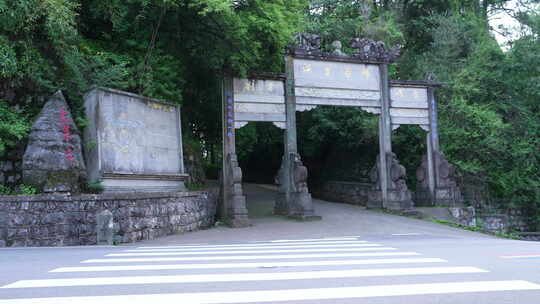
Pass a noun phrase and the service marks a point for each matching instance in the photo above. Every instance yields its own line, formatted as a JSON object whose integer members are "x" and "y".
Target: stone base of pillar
{"x": 280, "y": 207}
{"x": 447, "y": 193}
{"x": 306, "y": 218}
{"x": 238, "y": 222}
{"x": 374, "y": 199}
{"x": 422, "y": 197}
{"x": 444, "y": 197}
{"x": 399, "y": 196}
{"x": 298, "y": 204}
{"x": 301, "y": 207}
{"x": 397, "y": 200}
{"x": 236, "y": 214}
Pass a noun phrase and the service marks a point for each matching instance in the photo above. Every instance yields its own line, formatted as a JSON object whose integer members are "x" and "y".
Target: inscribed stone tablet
{"x": 339, "y": 75}
{"x": 336, "y": 83}
{"x": 135, "y": 138}
{"x": 258, "y": 100}
{"x": 408, "y": 97}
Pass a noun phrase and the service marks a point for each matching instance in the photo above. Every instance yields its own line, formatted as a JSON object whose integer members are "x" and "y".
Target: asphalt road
{"x": 352, "y": 256}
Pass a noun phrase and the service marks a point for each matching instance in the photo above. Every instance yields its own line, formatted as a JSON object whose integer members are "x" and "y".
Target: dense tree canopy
{"x": 176, "y": 50}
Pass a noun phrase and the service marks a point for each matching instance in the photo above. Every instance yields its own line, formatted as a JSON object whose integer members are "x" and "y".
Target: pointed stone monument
{"x": 53, "y": 160}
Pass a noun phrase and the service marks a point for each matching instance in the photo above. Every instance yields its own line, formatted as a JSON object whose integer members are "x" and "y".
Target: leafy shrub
{"x": 4, "y": 190}
{"x": 94, "y": 187}
{"x": 13, "y": 126}
{"x": 18, "y": 190}
{"x": 27, "y": 190}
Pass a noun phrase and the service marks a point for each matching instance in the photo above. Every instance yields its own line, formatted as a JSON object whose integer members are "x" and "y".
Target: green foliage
{"x": 193, "y": 162}
{"x": 19, "y": 190}
{"x": 483, "y": 106}
{"x": 344, "y": 20}
{"x": 94, "y": 187}
{"x": 194, "y": 187}
{"x": 8, "y": 62}
{"x": 13, "y": 126}
{"x": 261, "y": 150}
{"x": 488, "y": 112}
{"x": 27, "y": 190}
{"x": 4, "y": 190}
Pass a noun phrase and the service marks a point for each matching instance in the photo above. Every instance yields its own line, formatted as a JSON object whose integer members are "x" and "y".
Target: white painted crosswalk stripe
{"x": 250, "y": 265}
{"x": 252, "y": 257}
{"x": 520, "y": 256}
{"x": 248, "y": 251}
{"x": 239, "y": 277}
{"x": 291, "y": 261}
{"x": 317, "y": 294}
{"x": 254, "y": 247}
{"x": 311, "y": 240}
{"x": 256, "y": 244}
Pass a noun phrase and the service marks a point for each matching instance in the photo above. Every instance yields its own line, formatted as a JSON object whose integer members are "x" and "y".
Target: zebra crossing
{"x": 277, "y": 271}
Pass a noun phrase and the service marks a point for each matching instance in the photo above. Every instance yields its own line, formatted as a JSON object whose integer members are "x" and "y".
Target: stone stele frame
{"x": 133, "y": 143}
{"x": 314, "y": 78}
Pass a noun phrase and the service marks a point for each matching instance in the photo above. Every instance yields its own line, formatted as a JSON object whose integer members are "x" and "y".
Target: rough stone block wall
{"x": 345, "y": 192}
{"x": 63, "y": 220}
{"x": 11, "y": 166}
{"x": 10, "y": 172}
{"x": 504, "y": 220}
{"x": 517, "y": 220}
{"x": 465, "y": 216}
{"x": 530, "y": 236}
{"x": 494, "y": 222}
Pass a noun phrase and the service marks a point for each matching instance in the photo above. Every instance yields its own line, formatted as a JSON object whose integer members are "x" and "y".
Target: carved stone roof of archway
{"x": 366, "y": 50}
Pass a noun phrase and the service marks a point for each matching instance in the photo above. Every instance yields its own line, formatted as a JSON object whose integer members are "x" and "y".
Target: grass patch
{"x": 194, "y": 187}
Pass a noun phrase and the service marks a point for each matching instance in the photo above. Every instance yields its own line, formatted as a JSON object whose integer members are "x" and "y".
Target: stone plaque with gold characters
{"x": 133, "y": 143}
{"x": 259, "y": 100}
{"x": 322, "y": 82}
{"x": 409, "y": 106}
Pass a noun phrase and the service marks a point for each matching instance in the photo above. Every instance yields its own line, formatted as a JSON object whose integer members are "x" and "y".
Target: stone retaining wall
{"x": 465, "y": 216}
{"x": 512, "y": 219}
{"x": 63, "y": 220}
{"x": 346, "y": 192}
{"x": 493, "y": 222}
{"x": 518, "y": 220}
{"x": 529, "y": 236}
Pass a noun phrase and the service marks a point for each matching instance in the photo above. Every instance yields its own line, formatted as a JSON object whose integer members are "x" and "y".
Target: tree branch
{"x": 151, "y": 46}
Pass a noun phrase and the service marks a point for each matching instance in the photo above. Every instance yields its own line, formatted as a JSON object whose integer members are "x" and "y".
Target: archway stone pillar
{"x": 388, "y": 176}
{"x": 232, "y": 200}
{"x": 293, "y": 199}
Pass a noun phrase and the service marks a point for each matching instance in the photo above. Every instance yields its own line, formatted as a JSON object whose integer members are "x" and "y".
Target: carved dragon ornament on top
{"x": 306, "y": 44}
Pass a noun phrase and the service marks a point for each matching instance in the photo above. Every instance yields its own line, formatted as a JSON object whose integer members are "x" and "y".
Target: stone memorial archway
{"x": 314, "y": 78}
